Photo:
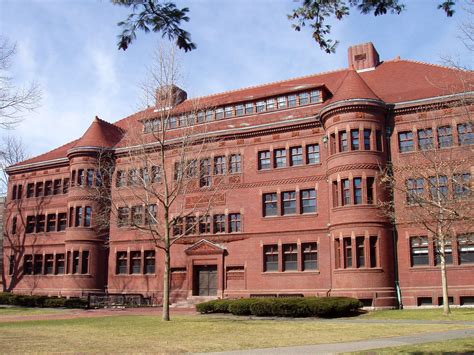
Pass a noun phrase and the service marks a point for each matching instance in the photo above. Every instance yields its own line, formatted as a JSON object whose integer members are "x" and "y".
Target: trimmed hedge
{"x": 41, "y": 301}
{"x": 323, "y": 307}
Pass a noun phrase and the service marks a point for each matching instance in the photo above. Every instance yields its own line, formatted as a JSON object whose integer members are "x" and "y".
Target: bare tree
{"x": 14, "y": 100}
{"x": 165, "y": 172}
{"x": 12, "y": 151}
{"x": 432, "y": 188}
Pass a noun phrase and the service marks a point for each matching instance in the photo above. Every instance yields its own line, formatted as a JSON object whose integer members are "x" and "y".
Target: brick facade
{"x": 299, "y": 164}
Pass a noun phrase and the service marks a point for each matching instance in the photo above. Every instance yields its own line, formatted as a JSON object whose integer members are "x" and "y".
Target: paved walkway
{"x": 363, "y": 345}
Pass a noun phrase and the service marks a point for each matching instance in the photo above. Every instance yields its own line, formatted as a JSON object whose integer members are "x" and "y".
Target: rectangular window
{"x": 137, "y": 215}
{"x": 310, "y": 256}
{"x": 281, "y": 102}
{"x": 425, "y": 138}
{"x": 448, "y": 252}
{"x": 87, "y": 216}
{"x": 149, "y": 262}
{"x": 370, "y": 190}
{"x": 205, "y": 173}
{"x": 445, "y": 137}
{"x": 419, "y": 251}
{"x": 234, "y": 222}
{"x": 335, "y": 194}
{"x": 75, "y": 262}
{"x": 270, "y": 204}
{"x": 49, "y": 264}
{"x": 178, "y": 226}
{"x": 65, "y": 185}
{"x": 14, "y": 192}
{"x": 204, "y": 225}
{"x": 39, "y": 189}
{"x": 209, "y": 115}
{"x": 62, "y": 222}
{"x": 85, "y": 262}
{"x": 270, "y": 257}
{"x": 296, "y": 156}
{"x": 360, "y": 251}
{"x": 288, "y": 205}
{"x": 71, "y": 216}
{"x": 291, "y": 100}
{"x": 260, "y": 106}
{"x": 290, "y": 257}
{"x": 279, "y": 158}
{"x": 191, "y": 168}
{"x": 315, "y": 96}
{"x": 219, "y": 113}
{"x": 133, "y": 179}
{"x": 190, "y": 225}
{"x": 57, "y": 188}
{"x": 38, "y": 264}
{"x": 121, "y": 268}
{"x": 135, "y": 262}
{"x": 271, "y": 104}
{"x": 30, "y": 224}
{"x": 28, "y": 264}
{"x": 367, "y": 134}
{"x": 150, "y": 214}
{"x": 80, "y": 177}
{"x": 78, "y": 218}
{"x": 248, "y": 108}
{"x": 235, "y": 166}
{"x": 228, "y": 112}
{"x": 20, "y": 192}
{"x": 439, "y": 185}
{"x": 48, "y": 188}
{"x": 239, "y": 110}
{"x": 308, "y": 201}
{"x": 337, "y": 253}
{"x": 59, "y": 264}
{"x": 30, "y": 190}
{"x": 155, "y": 174}
{"x": 200, "y": 117}
{"x": 172, "y": 122}
{"x": 332, "y": 143}
{"x": 51, "y": 223}
{"x": 123, "y": 216}
{"x": 343, "y": 141}
{"x": 264, "y": 160}
{"x": 357, "y": 191}
{"x": 219, "y": 223}
{"x": 182, "y": 121}
{"x": 312, "y": 154}
{"x": 354, "y": 139}
{"x": 373, "y": 251}
{"x": 415, "y": 191}
{"x": 405, "y": 142}
{"x": 191, "y": 119}
{"x": 14, "y": 222}
{"x": 90, "y": 177}
{"x": 466, "y": 248}
{"x": 347, "y": 244}
{"x": 465, "y": 135}
{"x": 346, "y": 192}
{"x": 120, "y": 179}
{"x": 304, "y": 98}
{"x": 219, "y": 165}
{"x": 40, "y": 223}
{"x": 462, "y": 185}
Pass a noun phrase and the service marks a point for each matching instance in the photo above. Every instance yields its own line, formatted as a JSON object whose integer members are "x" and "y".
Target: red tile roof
{"x": 391, "y": 81}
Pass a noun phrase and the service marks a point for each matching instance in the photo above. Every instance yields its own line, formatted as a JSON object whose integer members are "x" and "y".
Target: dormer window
{"x": 200, "y": 117}
{"x": 248, "y": 108}
{"x": 291, "y": 100}
{"x": 239, "y": 110}
{"x": 219, "y": 113}
{"x": 229, "y": 112}
{"x": 270, "y": 104}
{"x": 315, "y": 96}
{"x": 209, "y": 115}
{"x": 260, "y": 106}
{"x": 304, "y": 98}
{"x": 281, "y": 102}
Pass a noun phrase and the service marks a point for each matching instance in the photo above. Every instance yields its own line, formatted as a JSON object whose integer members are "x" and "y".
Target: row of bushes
{"x": 41, "y": 301}
{"x": 324, "y": 307}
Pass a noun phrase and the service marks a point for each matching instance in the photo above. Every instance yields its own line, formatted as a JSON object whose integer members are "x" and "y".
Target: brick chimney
{"x": 363, "y": 56}
{"x": 169, "y": 96}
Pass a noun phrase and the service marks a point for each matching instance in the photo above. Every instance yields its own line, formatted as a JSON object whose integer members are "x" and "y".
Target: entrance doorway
{"x": 205, "y": 280}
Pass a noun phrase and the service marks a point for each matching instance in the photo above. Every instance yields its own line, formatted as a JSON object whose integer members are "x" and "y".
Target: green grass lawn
{"x": 465, "y": 345}
{"x": 187, "y": 334}
{"x": 20, "y": 311}
{"x": 457, "y": 314}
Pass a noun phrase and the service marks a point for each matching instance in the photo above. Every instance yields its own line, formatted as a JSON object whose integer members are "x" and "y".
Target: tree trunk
{"x": 444, "y": 280}
{"x": 166, "y": 286}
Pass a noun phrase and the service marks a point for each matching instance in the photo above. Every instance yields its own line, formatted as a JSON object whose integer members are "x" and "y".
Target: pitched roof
{"x": 100, "y": 134}
{"x": 353, "y": 87}
{"x": 391, "y": 81}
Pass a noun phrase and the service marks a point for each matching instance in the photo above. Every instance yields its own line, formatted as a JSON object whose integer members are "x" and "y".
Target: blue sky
{"x": 69, "y": 48}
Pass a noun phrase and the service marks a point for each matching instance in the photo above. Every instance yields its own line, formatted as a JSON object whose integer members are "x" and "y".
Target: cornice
{"x": 348, "y": 167}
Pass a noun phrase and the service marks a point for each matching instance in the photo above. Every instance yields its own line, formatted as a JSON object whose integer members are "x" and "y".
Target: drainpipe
{"x": 394, "y": 227}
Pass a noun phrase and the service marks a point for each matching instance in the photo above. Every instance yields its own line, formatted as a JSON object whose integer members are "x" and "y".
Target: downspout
{"x": 394, "y": 227}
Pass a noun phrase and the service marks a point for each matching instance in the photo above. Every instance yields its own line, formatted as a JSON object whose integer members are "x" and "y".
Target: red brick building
{"x": 299, "y": 160}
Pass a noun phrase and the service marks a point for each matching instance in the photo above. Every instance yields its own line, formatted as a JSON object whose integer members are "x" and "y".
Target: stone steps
{"x": 191, "y": 302}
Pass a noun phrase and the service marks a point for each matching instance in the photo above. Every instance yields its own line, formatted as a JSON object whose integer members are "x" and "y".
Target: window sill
{"x": 351, "y": 152}
{"x": 291, "y": 216}
{"x": 358, "y": 270}
{"x": 135, "y": 275}
{"x": 290, "y": 273}
{"x": 263, "y": 171}
{"x": 362, "y": 205}
{"x": 436, "y": 268}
